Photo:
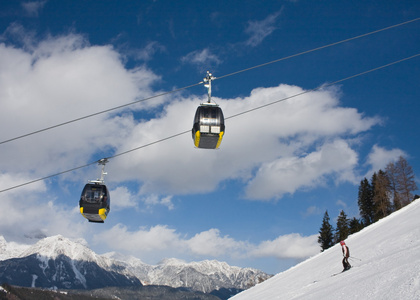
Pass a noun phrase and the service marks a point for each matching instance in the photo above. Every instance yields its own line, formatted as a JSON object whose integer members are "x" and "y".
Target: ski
{"x": 340, "y": 272}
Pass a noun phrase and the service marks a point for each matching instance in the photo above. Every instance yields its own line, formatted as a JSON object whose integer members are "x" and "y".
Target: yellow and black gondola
{"x": 95, "y": 201}
{"x": 209, "y": 126}
{"x": 209, "y": 123}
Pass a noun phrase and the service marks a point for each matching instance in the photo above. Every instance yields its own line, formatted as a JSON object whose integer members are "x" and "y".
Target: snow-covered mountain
{"x": 10, "y": 250}
{"x": 204, "y": 276}
{"x": 385, "y": 265}
{"x": 57, "y": 262}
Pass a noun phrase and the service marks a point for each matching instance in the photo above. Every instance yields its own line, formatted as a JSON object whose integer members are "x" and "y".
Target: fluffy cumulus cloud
{"x": 8, "y": 180}
{"x": 379, "y": 157}
{"x": 49, "y": 82}
{"x": 160, "y": 241}
{"x": 156, "y": 239}
{"x": 57, "y": 80}
{"x": 288, "y": 246}
{"x": 298, "y": 143}
{"x": 210, "y": 243}
{"x": 33, "y": 213}
{"x": 124, "y": 199}
{"x": 280, "y": 176}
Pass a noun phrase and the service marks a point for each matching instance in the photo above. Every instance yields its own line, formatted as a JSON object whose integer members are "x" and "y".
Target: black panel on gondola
{"x": 208, "y": 127}
{"x": 95, "y": 202}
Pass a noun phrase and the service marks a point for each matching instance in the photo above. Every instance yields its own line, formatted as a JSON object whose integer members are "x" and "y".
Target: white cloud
{"x": 298, "y": 143}
{"x": 122, "y": 198}
{"x": 379, "y": 157}
{"x": 13, "y": 180}
{"x": 58, "y": 80}
{"x": 154, "y": 199}
{"x": 153, "y": 243}
{"x": 288, "y": 246}
{"x": 287, "y": 174}
{"x": 202, "y": 58}
{"x": 341, "y": 203}
{"x": 160, "y": 241}
{"x": 17, "y": 33}
{"x": 146, "y": 53}
{"x": 210, "y": 243}
{"x": 259, "y": 30}
{"x": 30, "y": 212}
{"x": 312, "y": 210}
{"x": 306, "y": 137}
{"x": 63, "y": 78}
{"x": 32, "y": 8}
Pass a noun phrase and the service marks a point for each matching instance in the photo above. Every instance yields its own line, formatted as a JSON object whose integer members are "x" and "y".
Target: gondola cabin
{"x": 95, "y": 202}
{"x": 209, "y": 126}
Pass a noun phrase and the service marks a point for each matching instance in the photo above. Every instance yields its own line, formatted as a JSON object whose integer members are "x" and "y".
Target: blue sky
{"x": 259, "y": 200}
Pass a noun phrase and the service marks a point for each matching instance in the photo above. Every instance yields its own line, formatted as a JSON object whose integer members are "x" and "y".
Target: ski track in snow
{"x": 387, "y": 266}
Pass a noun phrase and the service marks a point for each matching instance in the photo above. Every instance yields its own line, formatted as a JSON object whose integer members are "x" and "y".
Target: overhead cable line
{"x": 324, "y": 86}
{"x": 230, "y": 117}
{"x": 318, "y": 48}
{"x": 219, "y": 77}
{"x": 98, "y": 113}
{"x": 49, "y": 176}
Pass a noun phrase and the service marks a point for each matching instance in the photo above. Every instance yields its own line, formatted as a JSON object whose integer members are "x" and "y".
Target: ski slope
{"x": 387, "y": 266}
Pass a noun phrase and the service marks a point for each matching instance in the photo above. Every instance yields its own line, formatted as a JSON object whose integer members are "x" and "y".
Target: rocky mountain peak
{"x": 57, "y": 261}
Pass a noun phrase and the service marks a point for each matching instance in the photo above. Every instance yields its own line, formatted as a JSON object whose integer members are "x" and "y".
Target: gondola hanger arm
{"x": 102, "y": 162}
{"x": 207, "y": 83}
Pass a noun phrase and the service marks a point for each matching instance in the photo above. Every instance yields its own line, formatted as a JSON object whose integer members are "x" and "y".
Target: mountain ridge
{"x": 57, "y": 262}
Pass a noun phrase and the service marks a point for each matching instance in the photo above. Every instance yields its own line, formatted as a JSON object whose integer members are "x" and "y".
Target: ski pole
{"x": 351, "y": 257}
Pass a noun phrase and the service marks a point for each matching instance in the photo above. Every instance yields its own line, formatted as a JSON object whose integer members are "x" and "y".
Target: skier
{"x": 346, "y": 254}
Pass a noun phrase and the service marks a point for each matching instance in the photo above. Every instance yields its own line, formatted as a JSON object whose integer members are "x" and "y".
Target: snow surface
{"x": 9, "y": 249}
{"x": 53, "y": 246}
{"x": 386, "y": 265}
{"x": 204, "y": 276}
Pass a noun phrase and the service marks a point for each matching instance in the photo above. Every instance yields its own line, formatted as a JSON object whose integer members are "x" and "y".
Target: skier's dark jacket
{"x": 346, "y": 252}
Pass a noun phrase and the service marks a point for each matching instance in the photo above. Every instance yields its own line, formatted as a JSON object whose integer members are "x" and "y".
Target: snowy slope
{"x": 9, "y": 249}
{"x": 388, "y": 266}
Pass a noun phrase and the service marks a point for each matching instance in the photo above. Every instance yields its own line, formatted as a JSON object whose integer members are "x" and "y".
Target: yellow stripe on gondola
{"x": 197, "y": 138}
{"x": 220, "y": 139}
{"x": 102, "y": 213}
{"x": 81, "y": 211}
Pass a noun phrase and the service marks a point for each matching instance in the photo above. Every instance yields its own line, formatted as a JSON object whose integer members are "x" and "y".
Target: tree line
{"x": 388, "y": 190}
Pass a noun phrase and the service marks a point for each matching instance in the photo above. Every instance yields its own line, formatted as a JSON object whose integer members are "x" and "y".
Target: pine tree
{"x": 365, "y": 202}
{"x": 392, "y": 174}
{"x": 355, "y": 226}
{"x": 405, "y": 180}
{"x": 326, "y": 238}
{"x": 342, "y": 230}
{"x": 381, "y": 192}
